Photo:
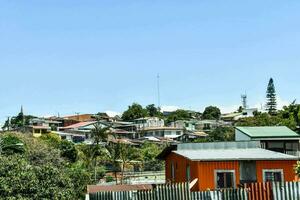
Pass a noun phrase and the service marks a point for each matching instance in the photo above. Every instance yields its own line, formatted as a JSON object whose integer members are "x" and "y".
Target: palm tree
{"x": 114, "y": 155}
{"x": 100, "y": 135}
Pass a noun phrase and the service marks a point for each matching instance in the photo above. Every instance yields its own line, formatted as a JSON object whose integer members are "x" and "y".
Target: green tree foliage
{"x": 149, "y": 152}
{"x": 17, "y": 122}
{"x": 11, "y": 144}
{"x": 297, "y": 168}
{"x": 134, "y": 111}
{"x": 100, "y": 134}
{"x": 68, "y": 151}
{"x": 291, "y": 112}
{"x": 153, "y": 111}
{"x": 40, "y": 172}
{"x": 178, "y": 115}
{"x": 113, "y": 157}
{"x": 211, "y": 112}
{"x": 265, "y": 119}
{"x": 52, "y": 139}
{"x": 271, "y": 105}
{"x": 218, "y": 135}
{"x": 127, "y": 154}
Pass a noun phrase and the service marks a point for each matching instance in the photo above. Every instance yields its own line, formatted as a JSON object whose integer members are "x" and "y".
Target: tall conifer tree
{"x": 271, "y": 105}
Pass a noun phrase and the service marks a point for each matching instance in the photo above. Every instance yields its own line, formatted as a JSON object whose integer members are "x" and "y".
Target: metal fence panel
{"x": 181, "y": 191}
{"x": 286, "y": 191}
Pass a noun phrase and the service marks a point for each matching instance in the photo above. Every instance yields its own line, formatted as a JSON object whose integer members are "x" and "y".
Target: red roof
{"x": 78, "y": 125}
{"x": 117, "y": 188}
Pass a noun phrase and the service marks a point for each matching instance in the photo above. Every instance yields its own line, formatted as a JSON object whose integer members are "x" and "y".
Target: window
{"x": 178, "y": 132}
{"x": 224, "y": 179}
{"x": 172, "y": 171}
{"x": 188, "y": 173}
{"x": 273, "y": 175}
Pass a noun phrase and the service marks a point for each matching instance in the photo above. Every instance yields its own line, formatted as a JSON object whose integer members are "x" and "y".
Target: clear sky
{"x": 87, "y": 56}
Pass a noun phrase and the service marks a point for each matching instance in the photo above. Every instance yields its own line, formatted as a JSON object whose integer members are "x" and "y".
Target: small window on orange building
{"x": 188, "y": 173}
{"x": 172, "y": 171}
{"x": 225, "y": 179}
{"x": 273, "y": 175}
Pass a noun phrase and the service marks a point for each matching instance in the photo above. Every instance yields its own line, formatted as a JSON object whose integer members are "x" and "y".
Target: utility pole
{"x": 77, "y": 113}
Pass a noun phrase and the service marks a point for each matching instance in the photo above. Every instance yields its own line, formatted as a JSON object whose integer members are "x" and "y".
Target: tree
{"x": 178, "y": 115}
{"x": 211, "y": 112}
{"x": 127, "y": 154}
{"x": 68, "y": 151}
{"x": 114, "y": 155}
{"x": 291, "y": 112}
{"x": 264, "y": 119}
{"x": 219, "y": 134}
{"x": 40, "y": 172}
{"x": 149, "y": 153}
{"x": 10, "y": 144}
{"x": 271, "y": 105}
{"x": 99, "y": 134}
{"x": 134, "y": 111}
{"x": 153, "y": 111}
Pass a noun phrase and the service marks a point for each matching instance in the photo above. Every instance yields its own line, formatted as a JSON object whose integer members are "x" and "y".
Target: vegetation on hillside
{"x": 51, "y": 168}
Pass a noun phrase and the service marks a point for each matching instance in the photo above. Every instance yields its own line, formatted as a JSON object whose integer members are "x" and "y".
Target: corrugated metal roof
{"x": 80, "y": 124}
{"x": 268, "y": 131}
{"x": 219, "y": 145}
{"x": 233, "y": 154}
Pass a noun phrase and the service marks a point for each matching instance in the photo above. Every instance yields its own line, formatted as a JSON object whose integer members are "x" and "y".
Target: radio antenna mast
{"x": 158, "y": 91}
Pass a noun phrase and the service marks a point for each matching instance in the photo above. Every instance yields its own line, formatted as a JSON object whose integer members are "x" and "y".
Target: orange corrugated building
{"x": 226, "y": 164}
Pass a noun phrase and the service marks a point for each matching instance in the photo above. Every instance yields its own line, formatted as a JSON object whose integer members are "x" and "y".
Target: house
{"x": 275, "y": 138}
{"x": 199, "y": 125}
{"x": 189, "y": 125}
{"x": 148, "y": 122}
{"x": 124, "y": 129}
{"x": 190, "y": 136}
{"x": 164, "y": 132}
{"x": 232, "y": 117}
{"x": 39, "y": 126}
{"x": 81, "y": 117}
{"x": 80, "y": 132}
{"x": 226, "y": 164}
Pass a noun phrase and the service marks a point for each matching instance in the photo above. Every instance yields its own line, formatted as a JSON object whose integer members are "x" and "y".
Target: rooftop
{"x": 268, "y": 131}
{"x": 227, "y": 151}
{"x": 80, "y": 124}
{"x": 233, "y": 154}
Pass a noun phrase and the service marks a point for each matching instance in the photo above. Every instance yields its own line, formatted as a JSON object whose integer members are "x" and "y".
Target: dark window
{"x": 172, "y": 170}
{"x": 188, "y": 173}
{"x": 273, "y": 176}
{"x": 225, "y": 179}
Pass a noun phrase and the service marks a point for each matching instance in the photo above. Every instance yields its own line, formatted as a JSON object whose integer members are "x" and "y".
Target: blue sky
{"x": 89, "y": 56}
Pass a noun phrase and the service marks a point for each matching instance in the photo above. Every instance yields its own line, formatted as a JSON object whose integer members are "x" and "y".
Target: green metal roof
{"x": 268, "y": 132}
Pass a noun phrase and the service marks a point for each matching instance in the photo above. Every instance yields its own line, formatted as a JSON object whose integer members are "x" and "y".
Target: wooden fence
{"x": 253, "y": 191}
